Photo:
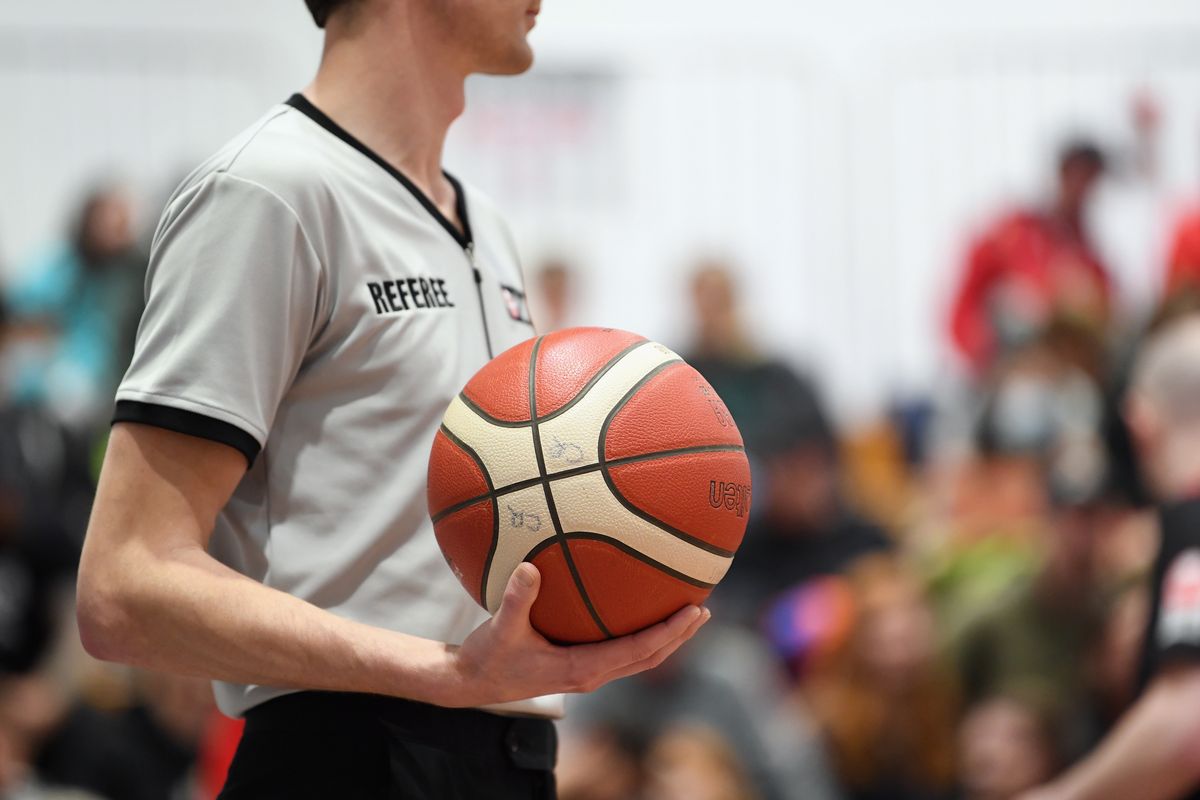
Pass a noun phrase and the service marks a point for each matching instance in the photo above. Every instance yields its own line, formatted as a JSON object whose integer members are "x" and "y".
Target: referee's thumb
{"x": 520, "y": 593}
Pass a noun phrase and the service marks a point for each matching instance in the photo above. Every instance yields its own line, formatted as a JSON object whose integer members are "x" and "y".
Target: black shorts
{"x": 347, "y": 746}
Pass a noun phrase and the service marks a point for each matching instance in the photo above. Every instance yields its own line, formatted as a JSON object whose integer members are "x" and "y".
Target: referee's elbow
{"x": 106, "y": 627}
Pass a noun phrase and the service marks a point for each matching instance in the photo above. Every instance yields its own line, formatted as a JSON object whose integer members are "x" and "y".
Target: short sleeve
{"x": 233, "y": 298}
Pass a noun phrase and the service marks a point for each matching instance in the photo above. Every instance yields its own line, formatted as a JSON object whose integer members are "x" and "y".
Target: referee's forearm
{"x": 184, "y": 612}
{"x": 149, "y": 594}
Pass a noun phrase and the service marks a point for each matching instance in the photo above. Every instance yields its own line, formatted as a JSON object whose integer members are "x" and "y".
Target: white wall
{"x": 839, "y": 152}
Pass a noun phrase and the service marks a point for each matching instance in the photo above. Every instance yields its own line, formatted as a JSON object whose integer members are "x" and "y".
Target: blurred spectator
{"x": 597, "y": 764}
{"x": 691, "y": 762}
{"x": 1113, "y": 663}
{"x": 724, "y": 681}
{"x": 1007, "y": 746}
{"x": 10, "y": 771}
{"x": 145, "y": 752}
{"x": 45, "y": 495}
{"x": 1038, "y": 437}
{"x": 1037, "y": 635}
{"x": 30, "y": 706}
{"x": 84, "y": 295}
{"x": 761, "y": 393}
{"x": 810, "y": 623}
{"x": 884, "y": 461}
{"x": 26, "y": 603}
{"x": 886, "y": 705}
{"x": 554, "y": 295}
{"x": 1045, "y": 395}
{"x": 1183, "y": 258}
{"x": 632, "y": 713}
{"x": 1034, "y": 265}
{"x": 805, "y": 527}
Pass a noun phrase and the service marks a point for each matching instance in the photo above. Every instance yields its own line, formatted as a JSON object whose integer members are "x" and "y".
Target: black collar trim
{"x": 463, "y": 237}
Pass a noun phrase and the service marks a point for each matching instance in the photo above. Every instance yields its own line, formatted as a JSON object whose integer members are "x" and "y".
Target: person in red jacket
{"x": 1032, "y": 266}
{"x": 1183, "y": 261}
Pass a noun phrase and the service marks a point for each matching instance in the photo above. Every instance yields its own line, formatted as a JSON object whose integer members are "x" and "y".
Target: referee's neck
{"x": 396, "y": 90}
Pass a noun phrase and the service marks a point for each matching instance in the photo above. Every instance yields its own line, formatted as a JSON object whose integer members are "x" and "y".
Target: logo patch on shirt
{"x": 1180, "y": 620}
{"x": 514, "y": 301}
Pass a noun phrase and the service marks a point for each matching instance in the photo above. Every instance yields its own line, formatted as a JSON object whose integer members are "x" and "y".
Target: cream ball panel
{"x": 571, "y": 439}
{"x": 586, "y": 504}
{"x": 507, "y": 453}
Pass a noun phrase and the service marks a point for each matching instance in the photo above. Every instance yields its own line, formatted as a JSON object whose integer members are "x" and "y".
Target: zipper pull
{"x": 470, "y": 251}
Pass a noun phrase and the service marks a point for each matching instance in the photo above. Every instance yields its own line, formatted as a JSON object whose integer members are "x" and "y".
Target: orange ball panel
{"x": 704, "y": 495}
{"x": 568, "y": 359}
{"x": 501, "y": 388}
{"x": 627, "y": 593}
{"x": 559, "y": 612}
{"x": 454, "y": 476}
{"x": 466, "y": 539}
{"x": 674, "y": 409}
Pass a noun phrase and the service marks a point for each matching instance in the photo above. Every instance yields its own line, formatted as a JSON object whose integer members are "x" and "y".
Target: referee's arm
{"x": 1153, "y": 754}
{"x": 150, "y": 595}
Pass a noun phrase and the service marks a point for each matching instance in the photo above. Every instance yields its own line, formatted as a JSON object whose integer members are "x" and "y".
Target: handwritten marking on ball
{"x": 523, "y": 519}
{"x": 569, "y": 452}
{"x": 718, "y": 408}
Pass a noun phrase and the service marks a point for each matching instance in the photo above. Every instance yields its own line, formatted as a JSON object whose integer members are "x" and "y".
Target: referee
{"x": 1154, "y": 751}
{"x": 318, "y": 291}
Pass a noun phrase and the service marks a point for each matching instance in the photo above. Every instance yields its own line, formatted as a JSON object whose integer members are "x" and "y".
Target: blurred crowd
{"x": 71, "y": 727}
{"x": 947, "y": 602}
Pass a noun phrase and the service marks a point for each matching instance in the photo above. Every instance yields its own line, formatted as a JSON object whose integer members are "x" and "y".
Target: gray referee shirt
{"x": 309, "y": 306}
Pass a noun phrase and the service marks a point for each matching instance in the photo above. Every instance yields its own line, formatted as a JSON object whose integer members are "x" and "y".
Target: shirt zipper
{"x": 469, "y": 249}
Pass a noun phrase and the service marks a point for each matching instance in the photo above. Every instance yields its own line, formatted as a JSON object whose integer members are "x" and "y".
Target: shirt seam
{"x": 227, "y": 168}
{"x": 295, "y": 215}
{"x": 250, "y": 139}
{"x": 323, "y": 271}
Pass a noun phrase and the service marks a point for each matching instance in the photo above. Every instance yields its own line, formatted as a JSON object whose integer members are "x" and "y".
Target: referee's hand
{"x": 505, "y": 659}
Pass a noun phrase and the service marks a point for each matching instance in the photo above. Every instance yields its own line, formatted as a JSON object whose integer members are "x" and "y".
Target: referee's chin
{"x": 514, "y": 61}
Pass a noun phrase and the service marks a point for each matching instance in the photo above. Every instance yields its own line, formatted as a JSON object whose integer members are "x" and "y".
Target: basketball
{"x": 607, "y": 462}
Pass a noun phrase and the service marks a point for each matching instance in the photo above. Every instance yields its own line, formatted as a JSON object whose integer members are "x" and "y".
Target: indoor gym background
{"x": 835, "y": 163}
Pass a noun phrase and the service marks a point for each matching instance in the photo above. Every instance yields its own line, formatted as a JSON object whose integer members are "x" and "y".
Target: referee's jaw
{"x": 498, "y": 33}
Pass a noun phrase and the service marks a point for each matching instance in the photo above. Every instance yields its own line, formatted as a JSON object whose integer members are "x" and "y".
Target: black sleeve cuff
{"x": 190, "y": 423}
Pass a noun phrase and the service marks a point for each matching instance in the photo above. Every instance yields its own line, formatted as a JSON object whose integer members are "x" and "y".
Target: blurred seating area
{"x": 943, "y": 602}
{"x": 947, "y": 601}
{"x": 71, "y": 727}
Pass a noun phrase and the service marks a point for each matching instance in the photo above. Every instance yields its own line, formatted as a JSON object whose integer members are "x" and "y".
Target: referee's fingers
{"x": 519, "y": 594}
{"x": 662, "y": 654}
{"x": 609, "y": 658}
